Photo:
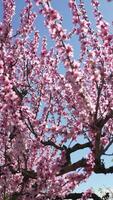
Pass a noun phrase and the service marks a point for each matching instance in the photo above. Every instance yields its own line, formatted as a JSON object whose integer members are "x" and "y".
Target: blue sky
{"x": 95, "y": 181}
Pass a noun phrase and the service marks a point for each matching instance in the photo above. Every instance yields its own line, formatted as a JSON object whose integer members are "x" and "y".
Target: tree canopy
{"x": 45, "y": 116}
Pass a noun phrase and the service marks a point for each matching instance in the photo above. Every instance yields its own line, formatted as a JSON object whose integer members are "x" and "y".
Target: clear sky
{"x": 94, "y": 181}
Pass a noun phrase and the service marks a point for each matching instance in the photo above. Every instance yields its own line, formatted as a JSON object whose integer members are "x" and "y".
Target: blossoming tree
{"x": 43, "y": 113}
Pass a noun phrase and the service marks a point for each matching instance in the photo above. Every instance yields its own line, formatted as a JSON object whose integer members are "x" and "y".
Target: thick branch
{"x": 100, "y": 169}
{"x": 75, "y": 196}
{"x": 78, "y": 146}
{"x": 29, "y": 174}
{"x": 72, "y": 167}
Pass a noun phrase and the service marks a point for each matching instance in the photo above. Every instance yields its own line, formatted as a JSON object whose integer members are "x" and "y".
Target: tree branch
{"x": 72, "y": 167}
{"x": 99, "y": 89}
{"x": 101, "y": 169}
{"x": 78, "y": 146}
{"x": 51, "y": 143}
{"x": 74, "y": 196}
{"x": 108, "y": 116}
{"x": 70, "y": 150}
